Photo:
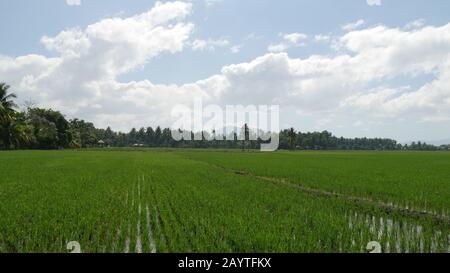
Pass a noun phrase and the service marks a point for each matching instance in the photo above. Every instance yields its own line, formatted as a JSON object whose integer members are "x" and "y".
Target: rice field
{"x": 159, "y": 201}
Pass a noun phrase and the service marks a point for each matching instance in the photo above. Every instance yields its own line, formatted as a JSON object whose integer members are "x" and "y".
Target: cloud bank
{"x": 82, "y": 80}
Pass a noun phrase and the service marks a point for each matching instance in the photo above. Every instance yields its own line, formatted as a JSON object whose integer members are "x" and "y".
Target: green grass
{"x": 192, "y": 201}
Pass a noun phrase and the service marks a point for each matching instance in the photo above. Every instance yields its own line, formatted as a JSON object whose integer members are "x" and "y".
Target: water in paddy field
{"x": 395, "y": 236}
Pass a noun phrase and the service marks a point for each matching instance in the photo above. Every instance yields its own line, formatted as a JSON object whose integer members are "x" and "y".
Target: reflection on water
{"x": 397, "y": 236}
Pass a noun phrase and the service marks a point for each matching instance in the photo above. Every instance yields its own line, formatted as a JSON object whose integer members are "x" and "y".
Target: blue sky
{"x": 27, "y": 21}
{"x": 233, "y": 32}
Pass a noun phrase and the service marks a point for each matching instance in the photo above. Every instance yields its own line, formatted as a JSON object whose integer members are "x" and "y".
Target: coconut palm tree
{"x": 292, "y": 137}
{"x": 7, "y": 104}
{"x": 12, "y": 131}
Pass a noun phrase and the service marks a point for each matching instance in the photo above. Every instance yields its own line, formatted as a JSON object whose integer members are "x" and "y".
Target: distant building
{"x": 101, "y": 143}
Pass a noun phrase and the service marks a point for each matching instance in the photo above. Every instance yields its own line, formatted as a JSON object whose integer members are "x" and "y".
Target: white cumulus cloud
{"x": 83, "y": 79}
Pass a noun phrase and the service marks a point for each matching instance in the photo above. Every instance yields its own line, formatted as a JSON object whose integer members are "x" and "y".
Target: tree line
{"x": 38, "y": 128}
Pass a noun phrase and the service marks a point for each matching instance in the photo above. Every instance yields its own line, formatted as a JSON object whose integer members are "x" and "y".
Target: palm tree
{"x": 7, "y": 104}
{"x": 246, "y": 136}
{"x": 11, "y": 130}
{"x": 292, "y": 136}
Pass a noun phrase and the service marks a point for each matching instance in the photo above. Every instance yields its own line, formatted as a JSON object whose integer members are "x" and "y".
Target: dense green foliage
{"x": 37, "y": 128}
{"x": 192, "y": 201}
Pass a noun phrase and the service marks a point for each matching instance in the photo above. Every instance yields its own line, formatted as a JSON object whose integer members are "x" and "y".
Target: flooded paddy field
{"x": 149, "y": 201}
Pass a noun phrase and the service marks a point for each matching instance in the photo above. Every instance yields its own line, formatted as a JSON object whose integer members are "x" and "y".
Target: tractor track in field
{"x": 382, "y": 205}
{"x": 387, "y": 207}
{"x": 143, "y": 224}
